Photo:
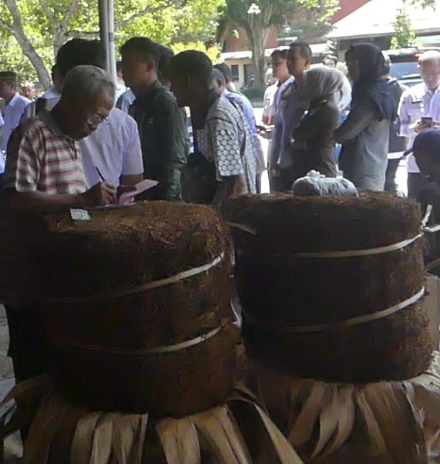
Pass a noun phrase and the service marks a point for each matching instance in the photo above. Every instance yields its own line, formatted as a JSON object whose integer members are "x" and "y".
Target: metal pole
{"x": 103, "y": 28}
{"x": 111, "y": 58}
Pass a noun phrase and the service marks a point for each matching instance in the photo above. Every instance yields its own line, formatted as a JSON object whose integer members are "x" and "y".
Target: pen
{"x": 99, "y": 174}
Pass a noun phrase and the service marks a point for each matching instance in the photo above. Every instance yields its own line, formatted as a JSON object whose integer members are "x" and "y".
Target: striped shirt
{"x": 40, "y": 157}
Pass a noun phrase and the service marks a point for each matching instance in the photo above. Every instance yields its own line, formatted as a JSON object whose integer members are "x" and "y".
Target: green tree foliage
{"x": 405, "y": 34}
{"x": 257, "y": 17}
{"x": 35, "y": 29}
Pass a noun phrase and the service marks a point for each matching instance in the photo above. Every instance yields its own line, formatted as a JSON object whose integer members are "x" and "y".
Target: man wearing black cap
{"x": 15, "y": 104}
{"x": 426, "y": 150}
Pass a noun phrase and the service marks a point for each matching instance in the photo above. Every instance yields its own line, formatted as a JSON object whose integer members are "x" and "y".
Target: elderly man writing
{"x": 44, "y": 173}
{"x": 44, "y": 167}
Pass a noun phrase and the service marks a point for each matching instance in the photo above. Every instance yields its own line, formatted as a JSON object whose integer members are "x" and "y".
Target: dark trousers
{"x": 26, "y": 345}
{"x": 283, "y": 182}
{"x": 415, "y": 183}
{"x": 390, "y": 176}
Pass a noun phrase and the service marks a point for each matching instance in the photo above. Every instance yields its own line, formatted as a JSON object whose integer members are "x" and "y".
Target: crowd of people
{"x": 179, "y": 120}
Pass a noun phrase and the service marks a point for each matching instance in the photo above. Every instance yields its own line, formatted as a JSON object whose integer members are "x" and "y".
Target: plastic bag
{"x": 315, "y": 184}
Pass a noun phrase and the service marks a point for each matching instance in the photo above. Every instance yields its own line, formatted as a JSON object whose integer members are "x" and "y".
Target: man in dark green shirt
{"x": 162, "y": 124}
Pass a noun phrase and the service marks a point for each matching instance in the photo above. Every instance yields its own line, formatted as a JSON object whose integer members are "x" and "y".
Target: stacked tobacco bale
{"x": 332, "y": 292}
{"x": 136, "y": 313}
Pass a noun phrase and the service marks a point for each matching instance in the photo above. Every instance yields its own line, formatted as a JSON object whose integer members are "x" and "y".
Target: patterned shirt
{"x": 40, "y": 157}
{"x": 225, "y": 141}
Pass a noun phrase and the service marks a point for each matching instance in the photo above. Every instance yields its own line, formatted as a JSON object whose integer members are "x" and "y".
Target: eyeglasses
{"x": 430, "y": 75}
{"x": 96, "y": 119}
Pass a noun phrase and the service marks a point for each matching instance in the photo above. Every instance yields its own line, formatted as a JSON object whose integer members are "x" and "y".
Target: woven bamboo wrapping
{"x": 280, "y": 291}
{"x": 394, "y": 422}
{"x": 237, "y": 432}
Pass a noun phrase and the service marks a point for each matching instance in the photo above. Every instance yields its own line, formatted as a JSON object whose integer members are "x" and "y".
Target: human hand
{"x": 100, "y": 194}
{"x": 274, "y": 170}
{"x": 423, "y": 125}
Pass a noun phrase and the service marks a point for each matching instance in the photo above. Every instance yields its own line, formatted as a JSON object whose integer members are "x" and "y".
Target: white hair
{"x": 86, "y": 82}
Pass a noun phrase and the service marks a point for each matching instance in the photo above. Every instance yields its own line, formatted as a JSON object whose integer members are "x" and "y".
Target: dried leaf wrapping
{"x": 43, "y": 429}
{"x": 125, "y": 439}
{"x": 285, "y": 452}
{"x": 303, "y": 427}
{"x": 83, "y": 438}
{"x": 223, "y": 436}
{"x": 373, "y": 428}
{"x": 402, "y": 433}
{"x": 179, "y": 439}
{"x": 102, "y": 439}
{"x": 329, "y": 418}
{"x": 346, "y": 417}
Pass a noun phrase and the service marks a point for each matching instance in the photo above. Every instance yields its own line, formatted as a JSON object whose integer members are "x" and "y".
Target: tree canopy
{"x": 36, "y": 29}
{"x": 258, "y": 18}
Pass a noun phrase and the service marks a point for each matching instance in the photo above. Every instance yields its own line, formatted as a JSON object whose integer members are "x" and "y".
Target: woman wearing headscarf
{"x": 365, "y": 134}
{"x": 313, "y": 137}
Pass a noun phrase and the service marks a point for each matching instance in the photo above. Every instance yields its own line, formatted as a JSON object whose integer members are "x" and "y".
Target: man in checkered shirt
{"x": 44, "y": 173}
{"x": 43, "y": 164}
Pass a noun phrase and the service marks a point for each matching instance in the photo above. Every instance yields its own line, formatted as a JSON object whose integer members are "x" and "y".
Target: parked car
{"x": 404, "y": 64}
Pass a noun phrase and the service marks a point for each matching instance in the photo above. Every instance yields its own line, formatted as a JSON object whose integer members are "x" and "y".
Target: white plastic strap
{"x": 348, "y": 322}
{"x": 143, "y": 351}
{"x": 141, "y": 288}
{"x": 333, "y": 254}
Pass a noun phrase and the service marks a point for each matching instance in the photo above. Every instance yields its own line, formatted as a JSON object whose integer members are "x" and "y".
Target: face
{"x": 352, "y": 62}
{"x": 430, "y": 72}
{"x": 87, "y": 116}
{"x": 329, "y": 63}
{"x": 296, "y": 64}
{"x": 6, "y": 89}
{"x": 136, "y": 71}
{"x": 28, "y": 92}
{"x": 181, "y": 88}
{"x": 279, "y": 67}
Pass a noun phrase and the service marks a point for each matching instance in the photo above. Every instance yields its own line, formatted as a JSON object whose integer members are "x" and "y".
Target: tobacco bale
{"x": 278, "y": 290}
{"x": 164, "y": 385}
{"x": 96, "y": 346}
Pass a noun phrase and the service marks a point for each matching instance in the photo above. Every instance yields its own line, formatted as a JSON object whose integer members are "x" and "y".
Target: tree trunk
{"x": 25, "y": 44}
{"x": 257, "y": 35}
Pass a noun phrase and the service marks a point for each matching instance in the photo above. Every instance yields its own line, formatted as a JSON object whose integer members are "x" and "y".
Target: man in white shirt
{"x": 15, "y": 104}
{"x": 112, "y": 154}
{"x": 418, "y": 102}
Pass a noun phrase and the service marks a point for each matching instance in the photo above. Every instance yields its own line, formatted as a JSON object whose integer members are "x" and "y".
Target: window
{"x": 235, "y": 72}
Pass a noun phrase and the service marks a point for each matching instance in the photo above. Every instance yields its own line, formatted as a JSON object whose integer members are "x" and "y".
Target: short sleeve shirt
{"x": 41, "y": 158}
{"x": 224, "y": 141}
{"x": 114, "y": 148}
{"x": 12, "y": 114}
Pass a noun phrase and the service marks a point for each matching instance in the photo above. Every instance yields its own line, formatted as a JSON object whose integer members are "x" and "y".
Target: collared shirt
{"x": 416, "y": 102}
{"x": 125, "y": 101}
{"x": 269, "y": 101}
{"x": 222, "y": 140}
{"x": 12, "y": 114}
{"x": 280, "y": 100}
{"x": 249, "y": 114}
{"x": 292, "y": 111}
{"x": 42, "y": 158}
{"x": 114, "y": 148}
{"x": 51, "y": 93}
{"x": 164, "y": 140}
